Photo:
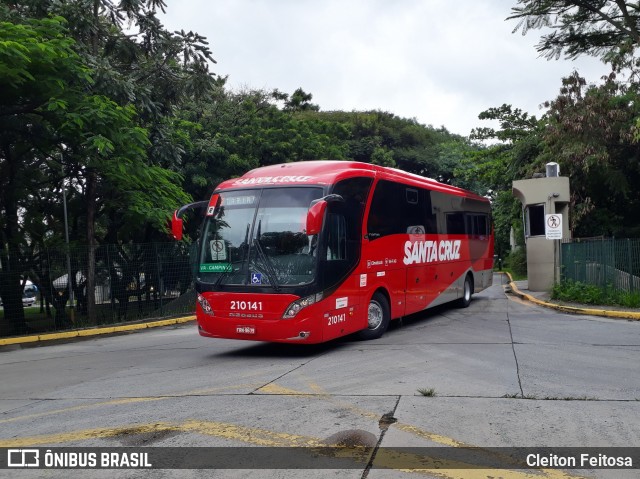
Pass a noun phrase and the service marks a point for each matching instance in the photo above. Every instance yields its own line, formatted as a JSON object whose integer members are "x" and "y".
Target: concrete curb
{"x": 571, "y": 309}
{"x": 76, "y": 333}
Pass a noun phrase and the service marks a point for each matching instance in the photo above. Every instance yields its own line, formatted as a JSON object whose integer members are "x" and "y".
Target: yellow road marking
{"x": 255, "y": 436}
{"x": 117, "y": 402}
{"x": 273, "y": 388}
{"x": 86, "y": 434}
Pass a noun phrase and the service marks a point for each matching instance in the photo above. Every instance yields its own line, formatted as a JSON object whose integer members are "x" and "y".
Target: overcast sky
{"x": 439, "y": 61}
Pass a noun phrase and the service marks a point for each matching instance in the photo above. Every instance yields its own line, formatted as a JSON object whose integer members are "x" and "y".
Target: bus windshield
{"x": 258, "y": 238}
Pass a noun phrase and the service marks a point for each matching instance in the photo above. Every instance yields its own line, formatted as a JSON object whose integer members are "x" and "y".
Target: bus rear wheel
{"x": 467, "y": 291}
{"x": 378, "y": 318}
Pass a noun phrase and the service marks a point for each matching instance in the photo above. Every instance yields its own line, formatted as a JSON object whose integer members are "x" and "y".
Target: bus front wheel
{"x": 378, "y": 317}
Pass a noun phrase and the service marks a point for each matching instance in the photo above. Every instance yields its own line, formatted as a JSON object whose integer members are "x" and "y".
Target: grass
{"x": 577, "y": 292}
{"x": 549, "y": 398}
{"x": 514, "y": 276}
{"x": 427, "y": 392}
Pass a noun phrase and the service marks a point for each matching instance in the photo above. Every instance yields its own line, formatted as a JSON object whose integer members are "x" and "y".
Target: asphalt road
{"x": 500, "y": 373}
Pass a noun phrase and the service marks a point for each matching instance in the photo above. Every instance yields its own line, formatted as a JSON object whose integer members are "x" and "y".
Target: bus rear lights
{"x": 204, "y": 304}
{"x": 298, "y": 305}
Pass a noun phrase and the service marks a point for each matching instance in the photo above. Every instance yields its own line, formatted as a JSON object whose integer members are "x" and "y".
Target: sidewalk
{"x": 543, "y": 298}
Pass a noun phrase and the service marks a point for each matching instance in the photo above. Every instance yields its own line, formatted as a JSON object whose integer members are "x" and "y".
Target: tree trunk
{"x": 10, "y": 282}
{"x": 92, "y": 185}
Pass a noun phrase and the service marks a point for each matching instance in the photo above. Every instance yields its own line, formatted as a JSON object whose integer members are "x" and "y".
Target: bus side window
{"x": 455, "y": 224}
{"x": 388, "y": 200}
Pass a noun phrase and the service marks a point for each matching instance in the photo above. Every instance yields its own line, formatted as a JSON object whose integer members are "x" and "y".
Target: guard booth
{"x": 545, "y": 207}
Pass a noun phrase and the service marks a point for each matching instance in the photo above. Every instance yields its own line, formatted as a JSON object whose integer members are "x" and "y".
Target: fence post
{"x": 631, "y": 268}
{"x": 159, "y": 273}
{"x": 112, "y": 300}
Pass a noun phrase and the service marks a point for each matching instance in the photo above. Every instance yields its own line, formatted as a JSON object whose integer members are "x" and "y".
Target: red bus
{"x": 310, "y": 251}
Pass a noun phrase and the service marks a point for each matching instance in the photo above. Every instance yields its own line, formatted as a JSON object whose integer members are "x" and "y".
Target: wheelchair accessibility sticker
{"x": 256, "y": 278}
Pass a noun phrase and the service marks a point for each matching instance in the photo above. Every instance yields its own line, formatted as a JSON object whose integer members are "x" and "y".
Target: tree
{"x": 41, "y": 78}
{"x": 299, "y": 101}
{"x": 237, "y": 131}
{"x": 56, "y": 124}
{"x": 514, "y": 153}
{"x": 601, "y": 28}
{"x": 590, "y": 133}
{"x": 592, "y": 130}
{"x": 144, "y": 70}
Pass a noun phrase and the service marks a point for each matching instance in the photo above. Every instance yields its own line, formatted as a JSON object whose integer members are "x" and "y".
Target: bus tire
{"x": 378, "y": 317}
{"x": 467, "y": 292}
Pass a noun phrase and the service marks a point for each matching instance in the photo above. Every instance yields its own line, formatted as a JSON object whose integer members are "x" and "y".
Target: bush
{"x": 516, "y": 263}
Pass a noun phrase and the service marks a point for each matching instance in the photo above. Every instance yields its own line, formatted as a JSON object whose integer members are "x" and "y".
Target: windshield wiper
{"x": 271, "y": 274}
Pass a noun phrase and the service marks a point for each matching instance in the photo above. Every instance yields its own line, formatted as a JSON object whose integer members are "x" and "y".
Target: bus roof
{"x": 326, "y": 172}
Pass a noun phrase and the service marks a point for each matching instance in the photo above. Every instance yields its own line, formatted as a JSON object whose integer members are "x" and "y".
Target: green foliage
{"x": 427, "y": 392}
{"x": 590, "y": 134}
{"x": 382, "y": 157}
{"x": 590, "y": 130}
{"x": 506, "y": 211}
{"x": 516, "y": 263}
{"x": 88, "y": 102}
{"x": 575, "y": 27}
{"x": 575, "y": 291}
{"x": 42, "y": 80}
{"x": 298, "y": 101}
{"x": 385, "y": 139}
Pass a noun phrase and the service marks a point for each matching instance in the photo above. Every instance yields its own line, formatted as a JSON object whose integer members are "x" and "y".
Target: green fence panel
{"x": 604, "y": 262}
{"x": 46, "y": 290}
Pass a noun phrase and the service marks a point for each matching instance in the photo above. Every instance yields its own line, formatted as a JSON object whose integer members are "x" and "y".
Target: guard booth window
{"x": 535, "y": 220}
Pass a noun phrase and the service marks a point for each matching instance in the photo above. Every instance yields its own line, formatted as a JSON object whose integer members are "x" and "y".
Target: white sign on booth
{"x": 553, "y": 226}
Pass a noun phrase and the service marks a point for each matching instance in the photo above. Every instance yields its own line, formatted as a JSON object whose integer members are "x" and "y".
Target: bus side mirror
{"x": 315, "y": 216}
{"x": 176, "y": 220}
{"x": 176, "y": 226}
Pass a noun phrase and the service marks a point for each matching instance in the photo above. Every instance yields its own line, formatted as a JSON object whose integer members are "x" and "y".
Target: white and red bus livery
{"x": 307, "y": 252}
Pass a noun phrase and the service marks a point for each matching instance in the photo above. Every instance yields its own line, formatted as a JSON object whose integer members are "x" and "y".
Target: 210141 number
{"x": 246, "y": 305}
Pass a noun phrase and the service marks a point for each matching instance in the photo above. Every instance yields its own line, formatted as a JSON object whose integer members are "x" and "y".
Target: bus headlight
{"x": 204, "y": 304}
{"x": 299, "y": 304}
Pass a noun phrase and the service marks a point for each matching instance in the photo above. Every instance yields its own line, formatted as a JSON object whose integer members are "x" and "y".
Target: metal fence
{"x": 132, "y": 282}
{"x": 604, "y": 262}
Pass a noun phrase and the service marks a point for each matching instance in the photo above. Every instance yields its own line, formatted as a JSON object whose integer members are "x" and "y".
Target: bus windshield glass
{"x": 257, "y": 238}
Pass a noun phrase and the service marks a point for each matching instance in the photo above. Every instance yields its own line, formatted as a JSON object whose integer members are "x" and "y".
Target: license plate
{"x": 245, "y": 330}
